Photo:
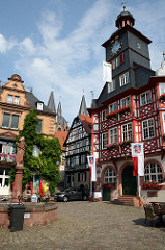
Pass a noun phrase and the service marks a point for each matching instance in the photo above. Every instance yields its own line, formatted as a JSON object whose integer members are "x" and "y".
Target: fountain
{"x": 35, "y": 214}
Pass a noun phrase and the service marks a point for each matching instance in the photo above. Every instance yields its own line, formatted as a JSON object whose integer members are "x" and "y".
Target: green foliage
{"x": 46, "y": 163}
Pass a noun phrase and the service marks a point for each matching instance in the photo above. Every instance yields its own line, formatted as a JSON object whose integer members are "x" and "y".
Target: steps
{"x": 126, "y": 200}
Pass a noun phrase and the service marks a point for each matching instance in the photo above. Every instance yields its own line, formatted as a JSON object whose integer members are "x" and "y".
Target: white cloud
{"x": 5, "y": 45}
{"x": 74, "y": 62}
{"x": 27, "y": 46}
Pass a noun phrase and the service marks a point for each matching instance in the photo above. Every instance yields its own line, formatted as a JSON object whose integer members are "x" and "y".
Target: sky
{"x": 56, "y": 44}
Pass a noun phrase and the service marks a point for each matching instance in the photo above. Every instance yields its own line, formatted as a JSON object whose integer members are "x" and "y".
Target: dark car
{"x": 69, "y": 194}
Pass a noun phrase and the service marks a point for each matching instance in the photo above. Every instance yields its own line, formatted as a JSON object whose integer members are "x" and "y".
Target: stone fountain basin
{"x": 36, "y": 214}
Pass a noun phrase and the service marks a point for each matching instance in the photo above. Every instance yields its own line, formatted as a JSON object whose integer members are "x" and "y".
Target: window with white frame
{"x": 112, "y": 107}
{"x": 116, "y": 62}
{"x": 113, "y": 135}
{"x": 145, "y": 98}
{"x": 109, "y": 176}
{"x": 13, "y": 99}
{"x": 111, "y": 86}
{"x": 16, "y": 100}
{"x": 40, "y": 105}
{"x": 10, "y": 121}
{"x": 125, "y": 101}
{"x": 104, "y": 140}
{"x": 104, "y": 112}
{"x": 148, "y": 129}
{"x": 162, "y": 88}
{"x": 127, "y": 132}
{"x": 153, "y": 172}
{"x": 9, "y": 99}
{"x": 124, "y": 79}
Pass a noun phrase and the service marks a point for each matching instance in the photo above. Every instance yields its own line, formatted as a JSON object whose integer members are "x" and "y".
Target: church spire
{"x": 51, "y": 102}
{"x": 59, "y": 110}
{"x": 83, "y": 109}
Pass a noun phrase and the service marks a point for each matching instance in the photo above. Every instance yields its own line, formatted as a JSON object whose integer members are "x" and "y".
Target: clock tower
{"x": 127, "y": 51}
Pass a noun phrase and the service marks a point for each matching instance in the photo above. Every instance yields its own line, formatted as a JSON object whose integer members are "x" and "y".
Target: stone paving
{"x": 89, "y": 226}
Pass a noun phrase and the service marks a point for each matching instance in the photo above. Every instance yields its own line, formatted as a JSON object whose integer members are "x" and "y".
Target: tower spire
{"x": 83, "y": 109}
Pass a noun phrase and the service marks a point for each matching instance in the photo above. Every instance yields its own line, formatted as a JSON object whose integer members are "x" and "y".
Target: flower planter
{"x": 162, "y": 97}
{"x": 125, "y": 143}
{"x": 111, "y": 115}
{"x": 124, "y": 109}
{"x": 109, "y": 186}
{"x": 111, "y": 146}
{"x": 151, "y": 186}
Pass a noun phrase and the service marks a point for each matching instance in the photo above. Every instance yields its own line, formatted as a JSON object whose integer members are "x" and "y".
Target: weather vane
{"x": 124, "y": 7}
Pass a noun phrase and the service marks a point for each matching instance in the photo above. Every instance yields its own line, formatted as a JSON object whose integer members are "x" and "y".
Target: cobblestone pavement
{"x": 89, "y": 226}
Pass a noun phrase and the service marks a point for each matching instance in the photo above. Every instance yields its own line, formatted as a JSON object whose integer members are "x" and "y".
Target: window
{"x": 104, "y": 140}
{"x": 112, "y": 107}
{"x": 14, "y": 121}
{"x": 113, "y": 135}
{"x": 126, "y": 101}
{"x": 11, "y": 148}
{"x": 39, "y": 127}
{"x": 82, "y": 177}
{"x": 9, "y": 99}
{"x": 148, "y": 129}
{"x": 40, "y": 105}
{"x": 127, "y": 132}
{"x": 104, "y": 112}
{"x": 145, "y": 98}
{"x": 10, "y": 121}
{"x": 36, "y": 151}
{"x": 13, "y": 99}
{"x": 16, "y": 100}
{"x": 124, "y": 79}
{"x": 153, "y": 172}
{"x": 116, "y": 62}
{"x": 162, "y": 88}
{"x": 111, "y": 86}
{"x": 5, "y": 123}
{"x": 110, "y": 176}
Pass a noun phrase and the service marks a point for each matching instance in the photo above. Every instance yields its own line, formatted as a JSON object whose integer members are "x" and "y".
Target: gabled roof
{"x": 61, "y": 135}
{"x": 85, "y": 120}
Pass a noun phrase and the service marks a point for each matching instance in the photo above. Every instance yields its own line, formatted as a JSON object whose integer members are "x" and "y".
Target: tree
{"x": 50, "y": 153}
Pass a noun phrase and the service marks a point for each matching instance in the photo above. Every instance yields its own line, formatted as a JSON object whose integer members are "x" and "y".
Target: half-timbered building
{"x": 129, "y": 109}
{"x": 78, "y": 145}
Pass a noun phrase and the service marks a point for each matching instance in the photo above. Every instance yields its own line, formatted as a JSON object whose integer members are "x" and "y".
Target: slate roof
{"x": 33, "y": 100}
{"x": 51, "y": 102}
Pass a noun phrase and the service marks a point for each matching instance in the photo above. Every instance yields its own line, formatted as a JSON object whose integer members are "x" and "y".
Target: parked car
{"x": 69, "y": 194}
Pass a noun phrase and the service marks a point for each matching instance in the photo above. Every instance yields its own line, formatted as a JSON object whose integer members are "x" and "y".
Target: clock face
{"x": 115, "y": 47}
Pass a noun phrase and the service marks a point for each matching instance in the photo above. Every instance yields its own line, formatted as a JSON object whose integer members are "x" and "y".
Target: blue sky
{"x": 57, "y": 43}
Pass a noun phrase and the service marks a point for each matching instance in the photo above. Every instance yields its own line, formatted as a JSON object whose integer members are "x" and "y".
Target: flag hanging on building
{"x": 138, "y": 159}
{"x": 92, "y": 167}
{"x": 107, "y": 72}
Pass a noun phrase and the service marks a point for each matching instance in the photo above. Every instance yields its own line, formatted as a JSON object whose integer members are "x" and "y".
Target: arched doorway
{"x": 129, "y": 184}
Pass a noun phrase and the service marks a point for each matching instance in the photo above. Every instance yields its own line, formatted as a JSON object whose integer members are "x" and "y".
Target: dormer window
{"x": 40, "y": 105}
